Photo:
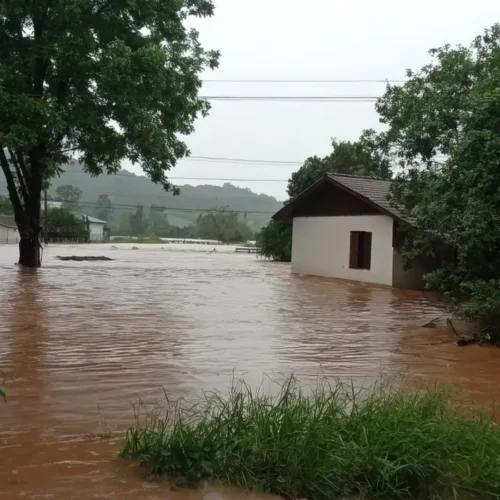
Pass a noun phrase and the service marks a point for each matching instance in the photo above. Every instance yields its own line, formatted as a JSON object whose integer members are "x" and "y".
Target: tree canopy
{"x": 444, "y": 133}
{"x": 103, "y": 208}
{"x": 224, "y": 226}
{"x": 69, "y": 195}
{"x": 63, "y": 223}
{"x": 5, "y": 206}
{"x": 108, "y": 79}
{"x": 355, "y": 158}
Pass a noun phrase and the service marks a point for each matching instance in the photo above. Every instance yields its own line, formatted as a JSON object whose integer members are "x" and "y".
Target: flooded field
{"x": 81, "y": 342}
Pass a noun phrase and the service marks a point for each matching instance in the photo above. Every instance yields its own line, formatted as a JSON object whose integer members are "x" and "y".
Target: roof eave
{"x": 285, "y": 213}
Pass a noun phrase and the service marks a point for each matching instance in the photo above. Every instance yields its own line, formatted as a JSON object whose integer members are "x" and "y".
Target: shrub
{"x": 275, "y": 240}
{"x": 483, "y": 307}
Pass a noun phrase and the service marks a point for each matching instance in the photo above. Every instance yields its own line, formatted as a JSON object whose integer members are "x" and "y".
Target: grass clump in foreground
{"x": 332, "y": 443}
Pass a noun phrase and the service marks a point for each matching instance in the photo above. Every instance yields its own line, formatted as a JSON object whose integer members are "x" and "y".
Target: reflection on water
{"x": 80, "y": 342}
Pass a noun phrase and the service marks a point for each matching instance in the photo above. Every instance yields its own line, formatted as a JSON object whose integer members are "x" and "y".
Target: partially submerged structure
{"x": 344, "y": 226}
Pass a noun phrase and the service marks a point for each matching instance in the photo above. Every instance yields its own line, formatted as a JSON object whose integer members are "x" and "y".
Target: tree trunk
{"x": 29, "y": 250}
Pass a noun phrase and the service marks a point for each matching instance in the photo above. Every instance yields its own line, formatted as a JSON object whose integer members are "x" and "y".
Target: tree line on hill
{"x": 65, "y": 222}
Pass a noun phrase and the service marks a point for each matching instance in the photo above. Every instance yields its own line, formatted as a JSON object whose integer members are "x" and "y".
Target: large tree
{"x": 107, "y": 79}
{"x": 63, "y": 223}
{"x": 363, "y": 157}
{"x": 103, "y": 208}
{"x": 69, "y": 195}
{"x": 444, "y": 131}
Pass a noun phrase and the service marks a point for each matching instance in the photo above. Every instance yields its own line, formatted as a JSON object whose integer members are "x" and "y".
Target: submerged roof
{"x": 7, "y": 221}
{"x": 369, "y": 189}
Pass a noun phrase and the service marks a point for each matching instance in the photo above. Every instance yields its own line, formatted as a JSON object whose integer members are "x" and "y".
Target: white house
{"x": 96, "y": 227}
{"x": 8, "y": 230}
{"x": 345, "y": 227}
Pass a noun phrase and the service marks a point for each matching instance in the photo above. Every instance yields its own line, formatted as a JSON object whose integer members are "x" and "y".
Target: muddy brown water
{"x": 81, "y": 342}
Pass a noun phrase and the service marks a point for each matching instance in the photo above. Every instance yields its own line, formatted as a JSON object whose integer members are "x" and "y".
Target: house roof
{"x": 7, "y": 221}
{"x": 369, "y": 189}
{"x": 93, "y": 219}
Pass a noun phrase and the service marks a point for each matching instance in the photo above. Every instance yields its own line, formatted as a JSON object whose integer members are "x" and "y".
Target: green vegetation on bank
{"x": 64, "y": 223}
{"x": 443, "y": 132}
{"x": 332, "y": 443}
{"x": 221, "y": 225}
{"x": 145, "y": 239}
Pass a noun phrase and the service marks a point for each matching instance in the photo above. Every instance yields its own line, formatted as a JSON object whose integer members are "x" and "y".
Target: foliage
{"x": 482, "y": 305}
{"x": 103, "y": 208}
{"x": 63, "y": 223}
{"x": 443, "y": 126}
{"x": 112, "y": 80}
{"x": 354, "y": 158}
{"x": 5, "y": 206}
{"x": 223, "y": 226}
{"x": 147, "y": 239}
{"x": 138, "y": 224}
{"x": 158, "y": 221}
{"x": 334, "y": 443}
{"x": 69, "y": 195}
{"x": 275, "y": 240}
{"x": 364, "y": 157}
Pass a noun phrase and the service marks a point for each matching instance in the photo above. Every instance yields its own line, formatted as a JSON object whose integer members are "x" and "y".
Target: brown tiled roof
{"x": 374, "y": 190}
{"x": 7, "y": 221}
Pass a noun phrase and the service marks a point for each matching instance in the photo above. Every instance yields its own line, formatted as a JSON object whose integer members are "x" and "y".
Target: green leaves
{"x": 113, "y": 79}
{"x": 355, "y": 158}
{"x": 443, "y": 129}
{"x": 275, "y": 240}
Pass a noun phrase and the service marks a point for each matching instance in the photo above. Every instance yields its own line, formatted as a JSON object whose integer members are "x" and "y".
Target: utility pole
{"x": 45, "y": 217}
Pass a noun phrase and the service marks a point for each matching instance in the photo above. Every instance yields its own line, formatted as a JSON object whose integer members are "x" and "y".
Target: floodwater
{"x": 81, "y": 342}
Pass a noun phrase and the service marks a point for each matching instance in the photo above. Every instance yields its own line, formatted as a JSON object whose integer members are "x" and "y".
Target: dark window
{"x": 360, "y": 256}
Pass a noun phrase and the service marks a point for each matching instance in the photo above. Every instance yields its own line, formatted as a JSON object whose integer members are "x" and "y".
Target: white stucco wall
{"x": 8, "y": 235}
{"x": 320, "y": 247}
{"x": 96, "y": 231}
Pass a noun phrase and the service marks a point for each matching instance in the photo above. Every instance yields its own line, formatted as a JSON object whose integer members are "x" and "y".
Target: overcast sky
{"x": 311, "y": 40}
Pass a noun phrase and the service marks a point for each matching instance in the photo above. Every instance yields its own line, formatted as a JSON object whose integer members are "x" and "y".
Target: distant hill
{"x": 127, "y": 190}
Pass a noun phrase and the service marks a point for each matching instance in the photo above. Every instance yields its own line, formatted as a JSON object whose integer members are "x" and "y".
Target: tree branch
{"x": 11, "y": 187}
{"x": 24, "y": 168}
{"x": 102, "y": 8}
{"x": 20, "y": 177}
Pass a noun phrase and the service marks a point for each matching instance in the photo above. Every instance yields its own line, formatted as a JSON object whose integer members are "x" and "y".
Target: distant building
{"x": 96, "y": 227}
{"x": 8, "y": 230}
{"x": 344, "y": 226}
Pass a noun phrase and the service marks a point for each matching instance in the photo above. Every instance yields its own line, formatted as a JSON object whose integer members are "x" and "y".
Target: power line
{"x": 189, "y": 178}
{"x": 243, "y": 160}
{"x": 228, "y": 180}
{"x": 92, "y": 204}
{"x": 348, "y": 99}
{"x": 304, "y": 81}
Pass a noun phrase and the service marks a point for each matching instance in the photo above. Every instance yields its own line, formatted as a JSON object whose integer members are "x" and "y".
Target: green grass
{"x": 333, "y": 443}
{"x": 145, "y": 239}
